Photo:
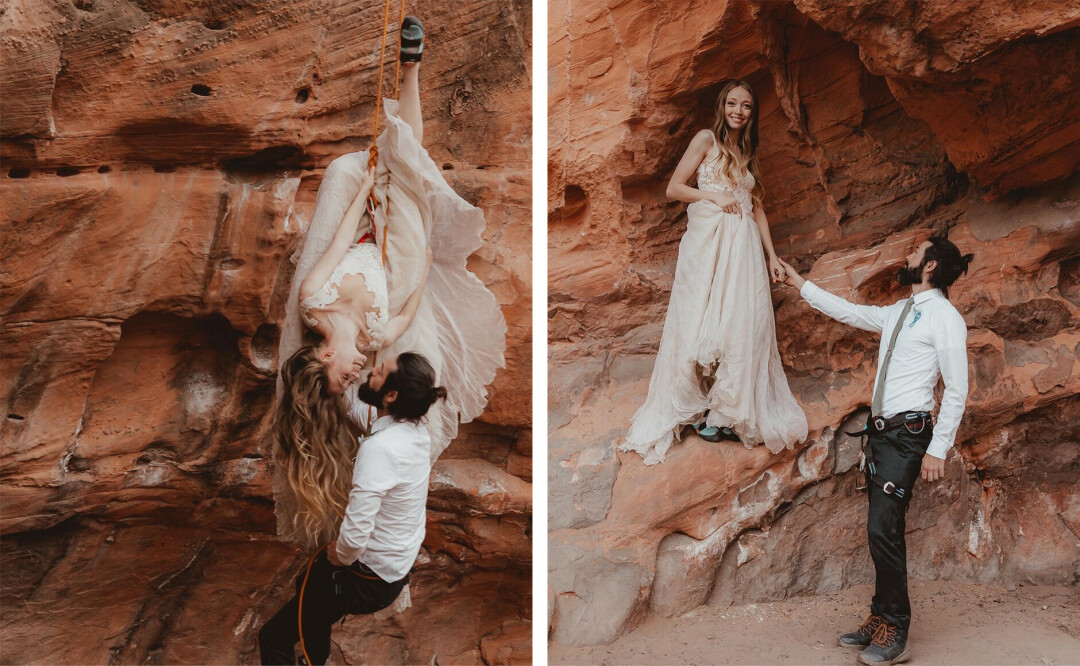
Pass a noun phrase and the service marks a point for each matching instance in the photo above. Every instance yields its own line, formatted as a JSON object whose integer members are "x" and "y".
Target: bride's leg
{"x": 410, "y": 101}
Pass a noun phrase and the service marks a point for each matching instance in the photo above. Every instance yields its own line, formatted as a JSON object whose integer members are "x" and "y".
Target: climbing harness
{"x": 914, "y": 422}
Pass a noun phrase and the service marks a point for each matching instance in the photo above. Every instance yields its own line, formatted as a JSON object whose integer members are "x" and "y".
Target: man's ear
{"x": 930, "y": 267}
{"x": 390, "y": 397}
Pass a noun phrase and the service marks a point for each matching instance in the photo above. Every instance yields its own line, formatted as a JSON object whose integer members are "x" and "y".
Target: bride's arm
{"x": 343, "y": 238}
{"x": 677, "y": 188}
{"x": 397, "y": 324}
{"x": 776, "y": 270}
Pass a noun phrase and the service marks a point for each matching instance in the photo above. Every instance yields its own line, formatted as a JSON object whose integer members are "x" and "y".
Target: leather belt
{"x": 876, "y": 425}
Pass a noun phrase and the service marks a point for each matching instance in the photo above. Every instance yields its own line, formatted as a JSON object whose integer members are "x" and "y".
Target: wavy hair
{"x": 738, "y": 150}
{"x": 316, "y": 443}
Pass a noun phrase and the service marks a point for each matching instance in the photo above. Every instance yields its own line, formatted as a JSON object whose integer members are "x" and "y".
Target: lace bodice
{"x": 712, "y": 179}
{"x": 360, "y": 259}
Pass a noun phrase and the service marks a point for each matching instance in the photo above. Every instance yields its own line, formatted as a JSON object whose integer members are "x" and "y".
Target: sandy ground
{"x": 953, "y": 623}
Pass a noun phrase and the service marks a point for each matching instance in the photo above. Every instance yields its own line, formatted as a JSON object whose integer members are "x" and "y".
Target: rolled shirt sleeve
{"x": 950, "y": 341}
{"x": 866, "y": 317}
{"x": 372, "y": 477}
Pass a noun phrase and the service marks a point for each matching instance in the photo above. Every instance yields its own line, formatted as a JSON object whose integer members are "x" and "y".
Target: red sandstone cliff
{"x": 160, "y": 163}
{"x": 880, "y": 123}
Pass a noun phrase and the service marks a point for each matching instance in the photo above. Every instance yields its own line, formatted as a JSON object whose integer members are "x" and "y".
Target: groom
{"x": 922, "y": 337}
{"x": 368, "y": 565}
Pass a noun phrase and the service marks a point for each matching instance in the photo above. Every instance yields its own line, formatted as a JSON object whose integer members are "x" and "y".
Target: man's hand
{"x": 331, "y": 554}
{"x": 793, "y": 278}
{"x": 933, "y": 468}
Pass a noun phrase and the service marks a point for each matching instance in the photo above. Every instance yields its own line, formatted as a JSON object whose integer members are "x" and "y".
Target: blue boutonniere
{"x": 916, "y": 318}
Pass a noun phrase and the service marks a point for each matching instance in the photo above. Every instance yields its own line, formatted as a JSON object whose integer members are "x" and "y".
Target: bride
{"x": 719, "y": 327}
{"x": 376, "y": 281}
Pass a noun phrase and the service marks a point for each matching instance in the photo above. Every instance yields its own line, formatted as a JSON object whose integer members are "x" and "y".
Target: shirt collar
{"x": 385, "y": 422}
{"x": 925, "y": 296}
{"x": 382, "y": 423}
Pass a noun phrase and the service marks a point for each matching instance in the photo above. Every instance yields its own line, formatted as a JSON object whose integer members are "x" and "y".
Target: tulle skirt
{"x": 718, "y": 348}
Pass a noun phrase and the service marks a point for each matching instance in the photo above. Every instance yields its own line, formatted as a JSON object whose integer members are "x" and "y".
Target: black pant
{"x": 898, "y": 455}
{"x": 331, "y": 593}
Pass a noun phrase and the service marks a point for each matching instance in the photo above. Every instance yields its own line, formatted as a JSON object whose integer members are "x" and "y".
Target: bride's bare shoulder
{"x": 702, "y": 138}
{"x": 698, "y": 148}
{"x": 700, "y": 144}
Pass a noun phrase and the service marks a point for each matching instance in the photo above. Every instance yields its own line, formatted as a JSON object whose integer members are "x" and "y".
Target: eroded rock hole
{"x": 574, "y": 209}
{"x": 201, "y": 90}
{"x": 164, "y": 168}
{"x": 302, "y": 95}
{"x": 105, "y": 168}
{"x": 264, "y": 346}
{"x": 66, "y": 171}
{"x": 77, "y": 464}
{"x": 170, "y": 376}
{"x": 447, "y": 166}
{"x": 1069, "y": 281}
{"x": 19, "y": 173}
{"x": 216, "y": 24}
{"x": 16, "y": 417}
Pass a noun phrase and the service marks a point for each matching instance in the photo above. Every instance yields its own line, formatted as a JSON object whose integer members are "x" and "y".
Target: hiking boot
{"x": 862, "y": 636}
{"x": 887, "y": 646}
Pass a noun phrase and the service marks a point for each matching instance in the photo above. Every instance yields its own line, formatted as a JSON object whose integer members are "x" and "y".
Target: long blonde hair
{"x": 738, "y": 150}
{"x": 316, "y": 443}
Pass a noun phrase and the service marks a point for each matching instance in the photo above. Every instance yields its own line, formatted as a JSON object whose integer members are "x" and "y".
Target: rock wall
{"x": 881, "y": 123}
{"x": 160, "y": 165}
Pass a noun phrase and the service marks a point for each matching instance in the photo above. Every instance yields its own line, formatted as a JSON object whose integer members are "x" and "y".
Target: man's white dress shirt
{"x": 931, "y": 343}
{"x": 384, "y": 521}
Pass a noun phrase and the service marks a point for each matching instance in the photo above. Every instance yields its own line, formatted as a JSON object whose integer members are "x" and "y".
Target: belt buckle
{"x": 889, "y": 487}
{"x": 879, "y": 423}
{"x": 910, "y": 419}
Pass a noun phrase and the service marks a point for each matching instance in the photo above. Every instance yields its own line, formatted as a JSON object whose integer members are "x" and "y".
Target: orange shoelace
{"x": 870, "y": 625}
{"x": 884, "y": 635}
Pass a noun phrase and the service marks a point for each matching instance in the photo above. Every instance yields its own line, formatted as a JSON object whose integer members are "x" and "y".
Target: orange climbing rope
{"x": 373, "y": 153}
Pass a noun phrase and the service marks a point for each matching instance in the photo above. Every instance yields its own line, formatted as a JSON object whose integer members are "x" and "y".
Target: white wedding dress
{"x": 720, "y": 330}
{"x": 458, "y": 325}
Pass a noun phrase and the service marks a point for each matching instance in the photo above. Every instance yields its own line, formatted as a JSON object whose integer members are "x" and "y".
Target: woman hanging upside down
{"x": 378, "y": 281}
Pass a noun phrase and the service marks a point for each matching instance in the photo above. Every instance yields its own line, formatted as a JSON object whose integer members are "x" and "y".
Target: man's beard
{"x": 908, "y": 275}
{"x": 370, "y": 395}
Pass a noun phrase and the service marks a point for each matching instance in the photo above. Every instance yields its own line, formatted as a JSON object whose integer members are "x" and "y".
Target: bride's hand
{"x": 367, "y": 181}
{"x": 725, "y": 201}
